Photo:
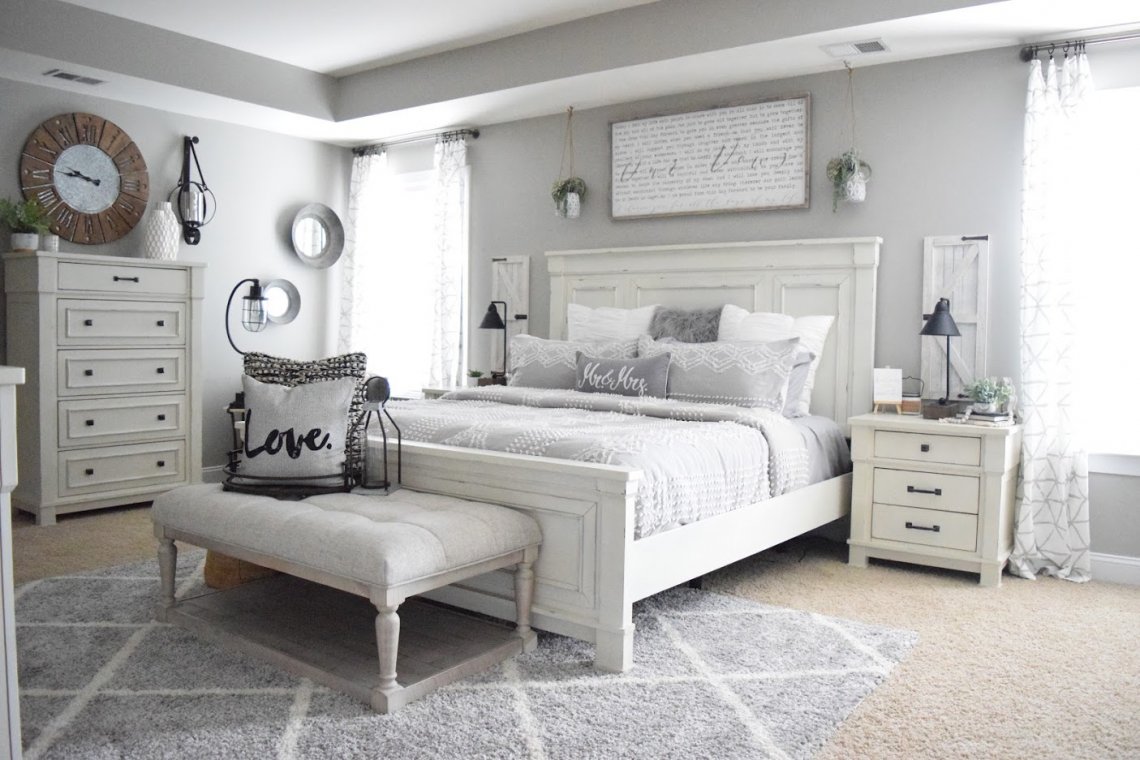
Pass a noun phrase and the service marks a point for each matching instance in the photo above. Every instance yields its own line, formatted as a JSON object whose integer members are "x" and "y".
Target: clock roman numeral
{"x": 47, "y": 198}
{"x": 131, "y": 185}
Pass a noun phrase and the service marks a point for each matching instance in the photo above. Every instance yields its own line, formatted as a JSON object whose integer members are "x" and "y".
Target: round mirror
{"x": 318, "y": 237}
{"x": 282, "y": 301}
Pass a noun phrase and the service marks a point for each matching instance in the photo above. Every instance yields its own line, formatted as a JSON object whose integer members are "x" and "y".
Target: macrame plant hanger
{"x": 569, "y": 191}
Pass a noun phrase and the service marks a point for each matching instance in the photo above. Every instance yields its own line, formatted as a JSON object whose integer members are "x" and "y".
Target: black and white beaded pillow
{"x": 281, "y": 371}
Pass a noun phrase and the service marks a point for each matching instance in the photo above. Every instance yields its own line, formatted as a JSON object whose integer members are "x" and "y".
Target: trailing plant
{"x": 24, "y": 216}
{"x": 991, "y": 390}
{"x": 564, "y": 187}
{"x": 841, "y": 169}
{"x": 476, "y": 373}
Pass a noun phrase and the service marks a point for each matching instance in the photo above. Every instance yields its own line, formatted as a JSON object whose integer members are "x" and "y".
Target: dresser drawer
{"x": 929, "y": 527}
{"x": 109, "y": 323}
{"x": 922, "y": 447}
{"x": 123, "y": 278}
{"x": 113, "y": 468}
{"x": 84, "y": 422}
{"x": 928, "y": 490}
{"x": 87, "y": 373}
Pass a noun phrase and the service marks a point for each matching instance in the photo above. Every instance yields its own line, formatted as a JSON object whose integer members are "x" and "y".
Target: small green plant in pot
{"x": 26, "y": 220}
{"x": 473, "y": 376}
{"x": 990, "y": 393}
{"x": 568, "y": 195}
{"x": 849, "y": 175}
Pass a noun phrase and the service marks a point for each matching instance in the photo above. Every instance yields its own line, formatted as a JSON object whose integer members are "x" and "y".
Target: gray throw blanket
{"x": 698, "y": 460}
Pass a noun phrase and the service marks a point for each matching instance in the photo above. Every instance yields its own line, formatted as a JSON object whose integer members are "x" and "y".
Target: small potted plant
{"x": 848, "y": 175}
{"x": 26, "y": 220}
{"x": 568, "y": 195}
{"x": 990, "y": 394}
{"x": 473, "y": 376}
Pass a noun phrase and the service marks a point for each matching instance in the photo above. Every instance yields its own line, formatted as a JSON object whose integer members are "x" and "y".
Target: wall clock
{"x": 88, "y": 175}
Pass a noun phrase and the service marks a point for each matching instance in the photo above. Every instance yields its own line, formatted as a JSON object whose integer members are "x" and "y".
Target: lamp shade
{"x": 492, "y": 320}
{"x": 940, "y": 322}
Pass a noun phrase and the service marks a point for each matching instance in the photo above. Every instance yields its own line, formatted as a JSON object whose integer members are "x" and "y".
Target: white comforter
{"x": 698, "y": 460}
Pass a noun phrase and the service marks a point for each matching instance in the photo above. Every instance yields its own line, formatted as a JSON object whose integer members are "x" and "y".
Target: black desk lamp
{"x": 941, "y": 323}
{"x": 492, "y": 321}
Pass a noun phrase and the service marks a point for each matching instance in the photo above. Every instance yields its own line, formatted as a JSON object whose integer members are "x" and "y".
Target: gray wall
{"x": 261, "y": 179}
{"x": 943, "y": 136}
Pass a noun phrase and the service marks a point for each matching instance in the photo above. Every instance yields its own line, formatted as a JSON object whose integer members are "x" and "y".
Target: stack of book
{"x": 995, "y": 419}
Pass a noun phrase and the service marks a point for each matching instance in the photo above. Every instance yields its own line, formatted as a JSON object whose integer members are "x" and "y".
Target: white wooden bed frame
{"x": 590, "y": 570}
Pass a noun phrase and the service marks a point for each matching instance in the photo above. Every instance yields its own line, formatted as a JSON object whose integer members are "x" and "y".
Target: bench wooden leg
{"x": 167, "y": 561}
{"x": 388, "y": 643}
{"x": 524, "y": 596}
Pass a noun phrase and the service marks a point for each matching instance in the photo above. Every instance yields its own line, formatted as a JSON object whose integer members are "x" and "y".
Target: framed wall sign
{"x": 746, "y": 157}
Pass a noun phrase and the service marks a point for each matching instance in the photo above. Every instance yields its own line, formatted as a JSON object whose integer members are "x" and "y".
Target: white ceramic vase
{"x": 49, "y": 242}
{"x": 573, "y": 205}
{"x": 855, "y": 189}
{"x": 25, "y": 241}
{"x": 160, "y": 233}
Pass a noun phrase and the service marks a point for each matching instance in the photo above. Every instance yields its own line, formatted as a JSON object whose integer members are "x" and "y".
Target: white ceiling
{"x": 357, "y": 71}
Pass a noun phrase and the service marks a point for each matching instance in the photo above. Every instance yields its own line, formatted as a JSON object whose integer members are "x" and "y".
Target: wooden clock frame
{"x": 38, "y": 178}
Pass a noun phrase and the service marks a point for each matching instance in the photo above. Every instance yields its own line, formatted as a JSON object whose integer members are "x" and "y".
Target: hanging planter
{"x": 848, "y": 173}
{"x": 568, "y": 193}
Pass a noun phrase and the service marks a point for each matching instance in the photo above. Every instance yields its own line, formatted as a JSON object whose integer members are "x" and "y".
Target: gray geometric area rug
{"x": 714, "y": 677}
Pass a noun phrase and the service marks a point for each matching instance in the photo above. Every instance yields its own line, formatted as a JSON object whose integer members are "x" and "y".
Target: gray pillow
{"x": 801, "y": 368}
{"x": 686, "y": 325}
{"x": 625, "y": 377}
{"x": 741, "y": 374}
{"x": 540, "y": 363}
{"x": 296, "y": 432}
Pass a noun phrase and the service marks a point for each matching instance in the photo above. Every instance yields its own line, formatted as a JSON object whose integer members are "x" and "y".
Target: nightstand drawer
{"x": 921, "y": 447}
{"x": 927, "y": 490}
{"x": 929, "y": 527}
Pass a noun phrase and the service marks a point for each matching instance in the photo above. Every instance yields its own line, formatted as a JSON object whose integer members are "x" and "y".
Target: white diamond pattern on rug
{"x": 714, "y": 676}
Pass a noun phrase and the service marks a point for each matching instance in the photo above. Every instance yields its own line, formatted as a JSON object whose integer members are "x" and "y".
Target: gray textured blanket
{"x": 699, "y": 460}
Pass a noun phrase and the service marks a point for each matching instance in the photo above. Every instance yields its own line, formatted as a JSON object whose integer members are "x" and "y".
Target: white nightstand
{"x": 933, "y": 493}
{"x": 430, "y": 393}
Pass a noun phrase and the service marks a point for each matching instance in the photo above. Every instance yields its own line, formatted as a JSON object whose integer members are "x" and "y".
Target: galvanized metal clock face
{"x": 88, "y": 175}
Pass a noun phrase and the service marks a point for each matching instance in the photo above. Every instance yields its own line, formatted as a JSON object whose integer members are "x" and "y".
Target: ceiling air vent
{"x": 70, "y": 77}
{"x": 848, "y": 49}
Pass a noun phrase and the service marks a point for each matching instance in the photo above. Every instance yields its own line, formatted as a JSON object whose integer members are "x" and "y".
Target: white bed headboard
{"x": 797, "y": 277}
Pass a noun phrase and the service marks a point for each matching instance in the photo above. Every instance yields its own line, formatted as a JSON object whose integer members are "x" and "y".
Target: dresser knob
{"x": 161, "y": 417}
{"x": 88, "y": 373}
{"x": 161, "y": 370}
{"x": 162, "y": 323}
{"x": 924, "y": 448}
{"x": 161, "y": 463}
{"x": 89, "y": 471}
{"x": 89, "y": 423}
{"x": 88, "y": 322}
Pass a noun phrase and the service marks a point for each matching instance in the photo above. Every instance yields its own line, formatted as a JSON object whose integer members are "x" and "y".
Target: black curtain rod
{"x": 366, "y": 149}
{"x": 1029, "y": 52}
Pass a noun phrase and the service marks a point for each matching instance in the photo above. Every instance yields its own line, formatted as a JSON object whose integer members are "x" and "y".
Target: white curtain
{"x": 363, "y": 253}
{"x": 1052, "y": 523}
{"x": 448, "y": 364}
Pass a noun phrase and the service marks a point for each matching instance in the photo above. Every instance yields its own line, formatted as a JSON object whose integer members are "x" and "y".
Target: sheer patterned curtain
{"x": 362, "y": 250}
{"x": 1052, "y": 523}
{"x": 450, "y": 191}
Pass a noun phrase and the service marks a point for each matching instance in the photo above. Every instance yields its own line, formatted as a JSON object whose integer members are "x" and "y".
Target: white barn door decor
{"x": 956, "y": 267}
{"x": 510, "y": 282}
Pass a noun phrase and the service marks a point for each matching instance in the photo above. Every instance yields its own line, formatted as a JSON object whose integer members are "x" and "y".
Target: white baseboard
{"x": 1116, "y": 568}
{"x": 214, "y": 474}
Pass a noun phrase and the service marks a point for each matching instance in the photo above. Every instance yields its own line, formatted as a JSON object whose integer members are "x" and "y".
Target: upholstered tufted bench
{"x": 384, "y": 548}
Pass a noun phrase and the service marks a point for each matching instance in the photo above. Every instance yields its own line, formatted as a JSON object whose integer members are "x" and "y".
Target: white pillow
{"x": 737, "y": 324}
{"x": 607, "y": 323}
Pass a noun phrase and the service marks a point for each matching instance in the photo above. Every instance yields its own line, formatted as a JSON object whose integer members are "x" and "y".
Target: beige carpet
{"x": 1033, "y": 669}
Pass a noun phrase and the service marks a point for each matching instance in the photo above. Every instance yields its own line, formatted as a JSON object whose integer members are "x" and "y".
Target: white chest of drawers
{"x": 111, "y": 412}
{"x": 933, "y": 493}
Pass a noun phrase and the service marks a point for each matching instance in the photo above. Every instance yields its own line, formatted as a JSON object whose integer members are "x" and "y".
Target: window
{"x": 1109, "y": 274}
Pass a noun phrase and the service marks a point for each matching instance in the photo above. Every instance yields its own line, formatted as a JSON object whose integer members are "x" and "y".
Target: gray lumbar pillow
{"x": 686, "y": 325}
{"x": 296, "y": 432}
{"x": 625, "y": 377}
{"x": 541, "y": 363}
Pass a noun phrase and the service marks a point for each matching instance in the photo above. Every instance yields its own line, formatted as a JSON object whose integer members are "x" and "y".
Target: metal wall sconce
{"x": 253, "y": 314}
{"x": 492, "y": 321}
{"x": 194, "y": 202}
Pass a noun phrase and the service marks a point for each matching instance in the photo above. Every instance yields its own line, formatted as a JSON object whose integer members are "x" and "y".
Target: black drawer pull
{"x": 117, "y": 278}
{"x": 935, "y": 529}
{"x": 161, "y": 370}
{"x": 162, "y": 323}
{"x": 161, "y": 463}
{"x": 88, "y": 471}
{"x": 932, "y": 492}
{"x": 88, "y": 322}
{"x": 161, "y": 417}
{"x": 924, "y": 448}
{"x": 90, "y": 423}
{"x": 88, "y": 373}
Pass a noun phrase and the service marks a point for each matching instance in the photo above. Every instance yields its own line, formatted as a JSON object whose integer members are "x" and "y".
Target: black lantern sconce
{"x": 377, "y": 391}
{"x": 194, "y": 202}
{"x": 253, "y": 314}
